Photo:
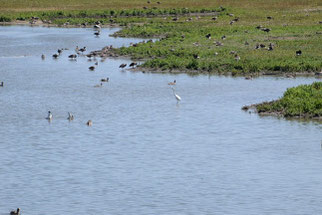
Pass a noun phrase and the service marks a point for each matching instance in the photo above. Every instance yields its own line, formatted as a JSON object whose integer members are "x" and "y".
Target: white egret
{"x": 178, "y": 98}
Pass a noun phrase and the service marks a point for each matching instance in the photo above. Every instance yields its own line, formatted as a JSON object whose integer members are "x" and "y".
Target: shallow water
{"x": 144, "y": 154}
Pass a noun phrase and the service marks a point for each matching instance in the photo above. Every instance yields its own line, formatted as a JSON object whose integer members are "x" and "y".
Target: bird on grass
{"x": 298, "y": 53}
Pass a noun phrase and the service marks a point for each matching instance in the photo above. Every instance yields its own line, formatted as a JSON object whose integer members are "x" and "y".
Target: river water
{"x": 145, "y": 153}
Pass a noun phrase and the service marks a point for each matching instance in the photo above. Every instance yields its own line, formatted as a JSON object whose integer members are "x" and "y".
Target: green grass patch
{"x": 304, "y": 101}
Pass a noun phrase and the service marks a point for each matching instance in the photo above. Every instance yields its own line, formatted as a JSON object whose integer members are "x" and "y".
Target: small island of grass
{"x": 304, "y": 101}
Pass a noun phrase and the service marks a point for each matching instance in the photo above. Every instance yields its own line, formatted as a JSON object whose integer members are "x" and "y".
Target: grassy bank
{"x": 304, "y": 101}
{"x": 183, "y": 27}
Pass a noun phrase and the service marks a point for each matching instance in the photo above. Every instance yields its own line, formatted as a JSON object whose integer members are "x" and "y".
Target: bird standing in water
{"x": 178, "y": 98}
{"x": 50, "y": 116}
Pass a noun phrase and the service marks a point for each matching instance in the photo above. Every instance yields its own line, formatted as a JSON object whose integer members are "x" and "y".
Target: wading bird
{"x": 122, "y": 65}
{"x": 50, "y": 116}
{"x": 70, "y": 116}
{"x": 178, "y": 98}
{"x": 17, "y": 212}
{"x": 89, "y": 123}
{"x": 172, "y": 83}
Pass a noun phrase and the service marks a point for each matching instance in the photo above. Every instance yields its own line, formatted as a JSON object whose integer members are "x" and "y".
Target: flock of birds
{"x": 80, "y": 52}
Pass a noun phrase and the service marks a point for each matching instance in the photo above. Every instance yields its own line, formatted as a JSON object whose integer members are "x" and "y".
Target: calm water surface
{"x": 144, "y": 154}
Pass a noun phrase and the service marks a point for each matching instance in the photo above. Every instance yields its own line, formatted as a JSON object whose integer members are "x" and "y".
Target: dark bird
{"x": 259, "y": 27}
{"x": 97, "y": 33}
{"x": 43, "y": 57}
{"x": 231, "y": 22}
{"x": 266, "y": 29}
{"x": 270, "y": 47}
{"x": 262, "y": 45}
{"x": 298, "y": 53}
{"x": 92, "y": 68}
{"x": 122, "y": 65}
{"x": 55, "y": 56}
{"x": 89, "y": 123}
{"x": 82, "y": 49}
{"x": 214, "y": 18}
{"x": 148, "y": 2}
{"x": 133, "y": 64}
{"x": 257, "y": 46}
{"x": 105, "y": 79}
{"x": 72, "y": 56}
{"x": 269, "y": 17}
{"x": 195, "y": 56}
{"x": 175, "y": 19}
{"x": 1, "y": 84}
{"x": 236, "y": 19}
{"x": 158, "y": 2}
{"x": 223, "y": 37}
{"x": 17, "y": 212}
{"x": 208, "y": 36}
{"x": 60, "y": 51}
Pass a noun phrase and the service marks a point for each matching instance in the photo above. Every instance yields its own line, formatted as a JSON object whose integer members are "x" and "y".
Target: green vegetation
{"x": 183, "y": 25}
{"x": 304, "y": 101}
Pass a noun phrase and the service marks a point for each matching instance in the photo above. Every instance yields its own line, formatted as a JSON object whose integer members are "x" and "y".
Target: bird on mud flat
{"x": 60, "y": 51}
{"x": 1, "y": 84}
{"x": 70, "y": 116}
{"x": 89, "y": 123}
{"x": 55, "y": 56}
{"x": 43, "y": 57}
{"x": 122, "y": 65}
{"x": 16, "y": 212}
{"x": 298, "y": 53}
{"x": 178, "y": 98}
{"x": 266, "y": 29}
{"x": 172, "y": 83}
{"x": 50, "y": 116}
{"x": 92, "y": 68}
